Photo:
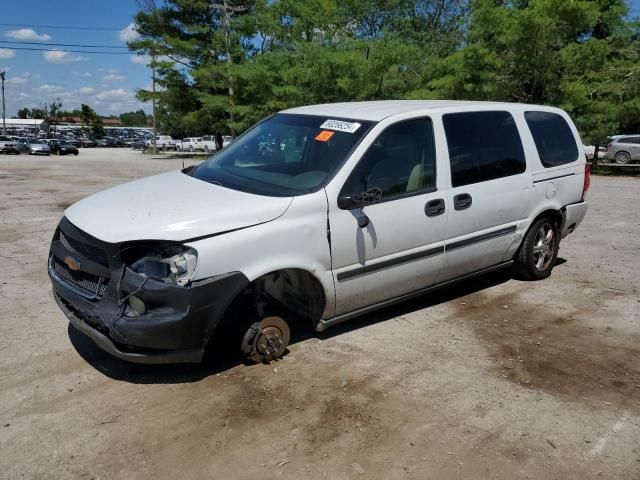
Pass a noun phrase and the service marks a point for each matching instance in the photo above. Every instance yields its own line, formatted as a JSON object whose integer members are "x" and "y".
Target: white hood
{"x": 170, "y": 206}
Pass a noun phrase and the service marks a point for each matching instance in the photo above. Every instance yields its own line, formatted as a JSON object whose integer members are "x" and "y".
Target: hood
{"x": 171, "y": 206}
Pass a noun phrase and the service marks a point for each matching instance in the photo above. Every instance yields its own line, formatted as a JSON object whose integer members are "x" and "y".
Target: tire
{"x": 538, "y": 252}
{"x": 622, "y": 157}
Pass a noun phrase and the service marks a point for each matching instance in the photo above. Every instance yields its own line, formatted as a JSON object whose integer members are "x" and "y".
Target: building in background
{"x": 27, "y": 123}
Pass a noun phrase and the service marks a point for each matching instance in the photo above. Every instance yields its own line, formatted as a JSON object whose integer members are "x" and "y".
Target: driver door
{"x": 394, "y": 245}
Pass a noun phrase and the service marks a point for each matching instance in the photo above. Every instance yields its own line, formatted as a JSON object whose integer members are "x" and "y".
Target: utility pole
{"x": 4, "y": 124}
{"x": 226, "y": 12}
{"x": 153, "y": 101}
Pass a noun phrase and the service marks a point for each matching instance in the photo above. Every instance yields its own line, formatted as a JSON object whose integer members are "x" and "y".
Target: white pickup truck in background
{"x": 163, "y": 141}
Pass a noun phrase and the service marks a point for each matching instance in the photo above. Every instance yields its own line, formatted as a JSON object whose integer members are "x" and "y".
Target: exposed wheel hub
{"x": 266, "y": 340}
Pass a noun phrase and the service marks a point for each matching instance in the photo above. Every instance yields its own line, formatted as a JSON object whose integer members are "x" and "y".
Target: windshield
{"x": 285, "y": 155}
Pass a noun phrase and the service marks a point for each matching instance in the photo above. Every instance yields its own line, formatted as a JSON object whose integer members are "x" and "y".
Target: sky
{"x": 107, "y": 83}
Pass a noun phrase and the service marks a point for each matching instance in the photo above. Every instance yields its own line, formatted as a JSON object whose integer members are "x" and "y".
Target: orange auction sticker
{"x": 324, "y": 135}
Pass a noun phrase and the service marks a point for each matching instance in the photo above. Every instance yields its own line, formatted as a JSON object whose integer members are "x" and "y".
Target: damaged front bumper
{"x": 176, "y": 322}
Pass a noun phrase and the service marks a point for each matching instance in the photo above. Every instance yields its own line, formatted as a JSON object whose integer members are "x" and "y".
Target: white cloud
{"x": 6, "y": 53}
{"x": 141, "y": 59}
{"x": 129, "y": 33}
{"x": 59, "y": 56}
{"x": 115, "y": 94}
{"x": 113, "y": 77}
{"x": 49, "y": 88}
{"x": 86, "y": 90}
{"x": 19, "y": 79}
{"x": 27, "y": 34}
{"x": 146, "y": 59}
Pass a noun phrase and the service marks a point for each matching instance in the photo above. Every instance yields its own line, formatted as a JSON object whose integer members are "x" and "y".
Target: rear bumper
{"x": 574, "y": 214}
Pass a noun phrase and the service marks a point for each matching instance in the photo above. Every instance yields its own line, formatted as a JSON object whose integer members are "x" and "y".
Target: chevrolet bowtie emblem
{"x": 72, "y": 263}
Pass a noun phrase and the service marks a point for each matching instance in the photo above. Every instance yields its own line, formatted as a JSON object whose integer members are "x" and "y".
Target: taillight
{"x": 608, "y": 147}
{"x": 587, "y": 180}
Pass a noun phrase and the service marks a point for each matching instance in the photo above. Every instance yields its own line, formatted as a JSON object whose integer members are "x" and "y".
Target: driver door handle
{"x": 434, "y": 208}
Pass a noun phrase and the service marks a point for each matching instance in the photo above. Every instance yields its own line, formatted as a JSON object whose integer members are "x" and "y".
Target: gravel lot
{"x": 494, "y": 378}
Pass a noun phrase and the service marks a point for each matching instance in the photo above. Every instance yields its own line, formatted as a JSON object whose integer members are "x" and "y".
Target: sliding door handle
{"x": 462, "y": 201}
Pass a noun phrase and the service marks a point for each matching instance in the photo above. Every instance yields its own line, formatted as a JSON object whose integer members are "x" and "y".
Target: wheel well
{"x": 293, "y": 290}
{"x": 556, "y": 215}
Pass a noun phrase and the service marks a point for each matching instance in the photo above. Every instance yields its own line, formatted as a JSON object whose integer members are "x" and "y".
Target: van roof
{"x": 380, "y": 109}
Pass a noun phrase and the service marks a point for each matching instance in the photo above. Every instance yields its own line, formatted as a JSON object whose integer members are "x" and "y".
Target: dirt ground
{"x": 492, "y": 379}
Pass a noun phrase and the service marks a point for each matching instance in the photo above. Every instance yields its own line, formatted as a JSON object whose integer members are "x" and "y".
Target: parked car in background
{"x": 589, "y": 151}
{"x": 22, "y": 145}
{"x": 38, "y": 147}
{"x": 191, "y": 144}
{"x": 164, "y": 142}
{"x": 62, "y": 147}
{"x": 209, "y": 143}
{"x": 87, "y": 143}
{"x": 226, "y": 140}
{"x": 8, "y": 145}
{"x": 624, "y": 148}
{"x": 138, "y": 144}
{"x": 357, "y": 207}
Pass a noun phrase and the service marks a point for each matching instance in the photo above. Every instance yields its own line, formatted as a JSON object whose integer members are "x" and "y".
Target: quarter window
{"x": 400, "y": 161}
{"x": 554, "y": 139}
{"x": 483, "y": 146}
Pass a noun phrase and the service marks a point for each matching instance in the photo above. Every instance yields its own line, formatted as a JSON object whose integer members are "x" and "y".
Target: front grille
{"x": 91, "y": 284}
{"x": 84, "y": 250}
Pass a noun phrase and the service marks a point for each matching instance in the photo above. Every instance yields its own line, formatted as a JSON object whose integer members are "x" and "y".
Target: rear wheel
{"x": 539, "y": 250}
{"x": 622, "y": 157}
{"x": 266, "y": 340}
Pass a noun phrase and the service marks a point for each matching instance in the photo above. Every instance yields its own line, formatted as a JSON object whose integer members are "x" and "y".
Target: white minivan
{"x": 318, "y": 213}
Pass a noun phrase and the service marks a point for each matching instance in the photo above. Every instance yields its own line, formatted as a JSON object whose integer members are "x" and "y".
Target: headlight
{"x": 175, "y": 264}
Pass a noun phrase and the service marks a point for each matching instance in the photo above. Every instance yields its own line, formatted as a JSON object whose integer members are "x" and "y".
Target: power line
{"x": 60, "y": 44}
{"x": 62, "y": 27}
{"x": 70, "y": 51}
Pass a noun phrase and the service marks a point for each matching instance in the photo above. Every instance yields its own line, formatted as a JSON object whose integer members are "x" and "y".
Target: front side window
{"x": 400, "y": 161}
{"x": 554, "y": 139}
{"x": 483, "y": 146}
{"x": 285, "y": 155}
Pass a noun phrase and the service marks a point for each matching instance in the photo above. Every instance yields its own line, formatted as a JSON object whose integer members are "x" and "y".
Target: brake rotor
{"x": 270, "y": 339}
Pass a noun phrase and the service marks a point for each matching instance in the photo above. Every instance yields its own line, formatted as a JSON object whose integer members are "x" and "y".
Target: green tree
{"x": 91, "y": 122}
{"x": 24, "y": 113}
{"x": 134, "y": 119}
{"x": 579, "y": 55}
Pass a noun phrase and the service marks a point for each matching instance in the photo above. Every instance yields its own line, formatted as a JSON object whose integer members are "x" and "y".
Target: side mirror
{"x": 349, "y": 202}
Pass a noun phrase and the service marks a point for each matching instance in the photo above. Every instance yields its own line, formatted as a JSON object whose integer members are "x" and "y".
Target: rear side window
{"x": 483, "y": 146}
{"x": 629, "y": 140}
{"x": 554, "y": 139}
